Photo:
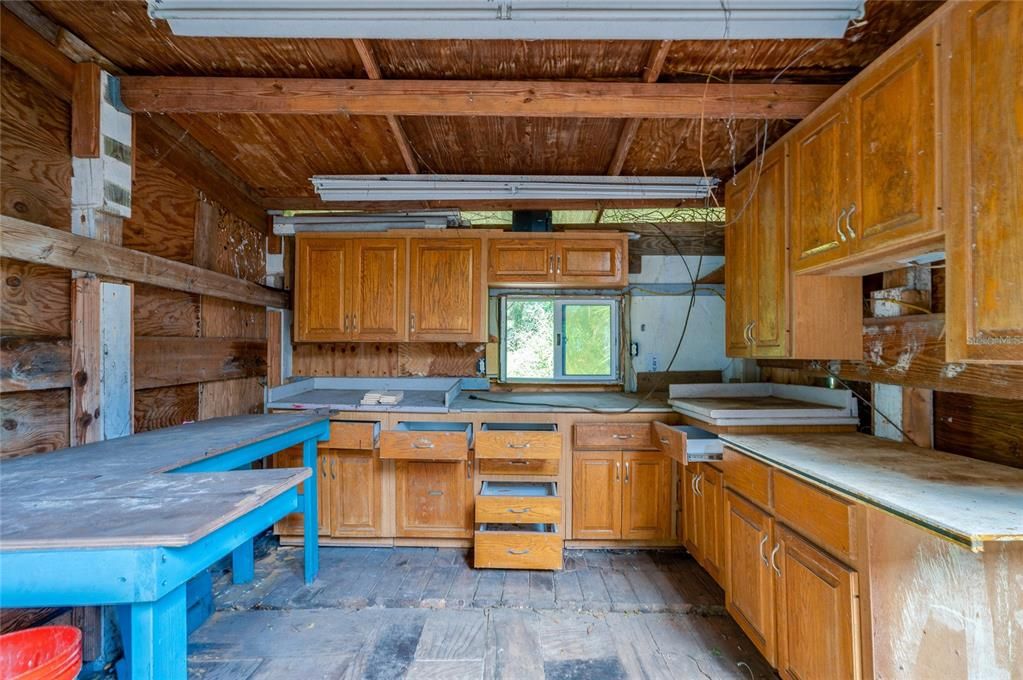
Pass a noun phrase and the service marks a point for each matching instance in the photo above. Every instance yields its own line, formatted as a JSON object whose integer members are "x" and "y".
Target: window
{"x": 552, "y": 339}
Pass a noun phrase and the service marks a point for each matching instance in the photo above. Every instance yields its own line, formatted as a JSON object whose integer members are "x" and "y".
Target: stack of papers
{"x": 389, "y": 398}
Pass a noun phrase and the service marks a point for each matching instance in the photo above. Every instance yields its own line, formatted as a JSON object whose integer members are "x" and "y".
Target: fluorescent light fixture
{"x": 288, "y": 225}
{"x": 510, "y": 19}
{"x": 350, "y": 188}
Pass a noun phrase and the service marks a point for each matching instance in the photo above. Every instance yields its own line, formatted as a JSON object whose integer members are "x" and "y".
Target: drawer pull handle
{"x": 512, "y": 551}
{"x": 435, "y": 493}
{"x": 519, "y": 462}
{"x": 622, "y": 436}
{"x": 422, "y": 444}
{"x": 523, "y": 511}
{"x": 513, "y": 445}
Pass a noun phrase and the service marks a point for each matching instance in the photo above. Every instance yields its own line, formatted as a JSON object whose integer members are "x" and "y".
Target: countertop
{"x": 967, "y": 501}
{"x": 426, "y": 401}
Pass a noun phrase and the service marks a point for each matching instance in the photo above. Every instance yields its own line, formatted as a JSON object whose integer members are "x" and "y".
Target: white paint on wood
{"x": 887, "y": 399}
{"x": 116, "y": 360}
{"x": 104, "y": 184}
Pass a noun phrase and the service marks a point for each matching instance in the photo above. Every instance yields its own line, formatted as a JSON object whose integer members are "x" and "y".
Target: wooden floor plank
{"x": 453, "y": 634}
{"x": 513, "y": 649}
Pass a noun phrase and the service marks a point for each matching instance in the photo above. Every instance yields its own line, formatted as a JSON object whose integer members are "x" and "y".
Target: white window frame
{"x": 560, "y": 301}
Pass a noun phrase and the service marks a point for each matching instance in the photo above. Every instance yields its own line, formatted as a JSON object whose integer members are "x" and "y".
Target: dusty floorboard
{"x": 419, "y": 613}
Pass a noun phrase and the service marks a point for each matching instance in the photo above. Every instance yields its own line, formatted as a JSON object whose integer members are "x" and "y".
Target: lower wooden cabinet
{"x": 816, "y": 611}
{"x": 703, "y": 533}
{"x": 749, "y": 582}
{"x": 292, "y": 525}
{"x": 621, "y": 495}
{"x": 434, "y": 499}
{"x": 356, "y": 498}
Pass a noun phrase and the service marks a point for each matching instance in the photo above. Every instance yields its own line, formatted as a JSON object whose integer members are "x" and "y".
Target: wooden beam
{"x": 33, "y": 363}
{"x": 692, "y": 238}
{"x": 160, "y": 362}
{"x": 196, "y": 94}
{"x": 651, "y": 72}
{"x": 43, "y": 245}
{"x": 31, "y": 53}
{"x": 369, "y": 63}
{"x": 910, "y": 351}
{"x": 85, "y": 106}
{"x": 86, "y": 395}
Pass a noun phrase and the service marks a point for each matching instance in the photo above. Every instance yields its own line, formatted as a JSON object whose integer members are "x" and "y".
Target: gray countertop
{"x": 967, "y": 501}
{"x": 432, "y": 401}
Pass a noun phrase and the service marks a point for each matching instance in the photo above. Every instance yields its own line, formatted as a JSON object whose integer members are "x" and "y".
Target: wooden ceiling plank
{"x": 369, "y": 62}
{"x": 651, "y": 72}
{"x": 30, "y": 52}
{"x": 549, "y": 99}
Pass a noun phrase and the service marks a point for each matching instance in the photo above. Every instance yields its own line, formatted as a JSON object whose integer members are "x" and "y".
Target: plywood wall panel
{"x": 368, "y": 359}
{"x": 163, "y": 211}
{"x": 160, "y": 362}
{"x": 166, "y": 406}
{"x": 166, "y": 313}
{"x": 987, "y": 428}
{"x": 230, "y": 397}
{"x": 35, "y": 149}
{"x": 34, "y": 299}
{"x": 238, "y": 248}
{"x": 33, "y": 422}
{"x": 228, "y": 319}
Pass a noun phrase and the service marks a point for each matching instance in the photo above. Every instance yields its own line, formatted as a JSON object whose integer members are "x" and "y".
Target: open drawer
{"x": 427, "y": 440}
{"x": 353, "y": 434}
{"x": 517, "y": 546}
{"x": 688, "y": 444}
{"x": 518, "y": 502}
{"x": 518, "y": 441}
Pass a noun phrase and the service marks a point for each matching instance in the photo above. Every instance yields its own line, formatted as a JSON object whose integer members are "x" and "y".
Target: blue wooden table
{"x": 130, "y": 521}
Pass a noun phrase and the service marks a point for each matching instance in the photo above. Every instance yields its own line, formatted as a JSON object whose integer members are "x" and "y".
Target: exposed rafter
{"x": 551, "y": 99}
{"x": 651, "y": 72}
{"x": 369, "y": 63}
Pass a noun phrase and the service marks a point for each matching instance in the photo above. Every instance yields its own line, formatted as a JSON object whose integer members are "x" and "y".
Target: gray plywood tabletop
{"x": 968, "y": 501}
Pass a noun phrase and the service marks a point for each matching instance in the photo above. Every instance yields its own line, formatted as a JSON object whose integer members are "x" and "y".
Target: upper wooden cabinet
{"x": 378, "y": 290}
{"x": 768, "y": 312}
{"x": 321, "y": 277}
{"x": 571, "y": 260}
{"x": 866, "y": 171}
{"x": 447, "y": 300}
{"x": 984, "y": 148}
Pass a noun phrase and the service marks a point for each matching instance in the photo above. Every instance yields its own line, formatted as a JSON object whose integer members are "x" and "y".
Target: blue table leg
{"x": 243, "y": 558}
{"x": 312, "y": 526}
{"x": 155, "y": 638}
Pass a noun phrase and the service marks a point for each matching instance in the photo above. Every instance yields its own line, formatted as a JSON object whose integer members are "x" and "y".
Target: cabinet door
{"x": 321, "y": 307}
{"x": 434, "y": 498}
{"x": 749, "y": 586}
{"x": 293, "y": 524}
{"x": 690, "y": 512}
{"x": 769, "y": 257}
{"x": 597, "y": 495}
{"x": 378, "y": 289}
{"x": 818, "y": 186}
{"x": 710, "y": 519}
{"x": 818, "y": 625}
{"x": 355, "y": 505}
{"x": 446, "y": 290}
{"x": 593, "y": 262}
{"x": 646, "y": 495}
{"x": 520, "y": 261}
{"x": 984, "y": 238}
{"x": 739, "y": 207}
{"x": 894, "y": 189}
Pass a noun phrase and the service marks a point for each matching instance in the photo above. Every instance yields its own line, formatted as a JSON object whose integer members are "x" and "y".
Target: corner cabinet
{"x": 769, "y": 313}
{"x": 446, "y": 289}
{"x": 621, "y": 495}
{"x": 563, "y": 259}
{"x": 984, "y": 242}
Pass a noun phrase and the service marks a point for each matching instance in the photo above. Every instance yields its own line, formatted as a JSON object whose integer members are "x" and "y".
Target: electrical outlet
{"x": 634, "y": 349}
{"x": 653, "y": 363}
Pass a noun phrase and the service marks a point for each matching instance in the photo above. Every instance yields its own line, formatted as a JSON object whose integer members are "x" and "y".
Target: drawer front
{"x": 614, "y": 436}
{"x": 671, "y": 442}
{"x": 424, "y": 446}
{"x": 826, "y": 519}
{"x": 351, "y": 435}
{"x": 749, "y": 477}
{"x": 518, "y": 509}
{"x": 518, "y": 444}
{"x": 502, "y": 466}
{"x": 517, "y": 550}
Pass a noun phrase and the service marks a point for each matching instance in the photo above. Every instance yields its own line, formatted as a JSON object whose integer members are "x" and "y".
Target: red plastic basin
{"x": 44, "y": 653}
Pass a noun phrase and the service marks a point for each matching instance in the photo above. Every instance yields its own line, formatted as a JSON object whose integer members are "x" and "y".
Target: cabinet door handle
{"x": 468, "y": 469}
{"x": 696, "y": 482}
{"x": 412, "y": 322}
{"x": 838, "y": 226}
{"x": 692, "y": 485}
{"x": 550, "y": 265}
{"x": 355, "y": 324}
{"x": 752, "y": 338}
{"x": 422, "y": 444}
{"x": 848, "y": 221}
{"x": 559, "y": 264}
{"x": 663, "y": 440}
{"x": 618, "y": 471}
{"x": 626, "y": 473}
{"x": 523, "y": 511}
{"x": 774, "y": 565}
{"x": 512, "y": 551}
{"x": 746, "y": 332}
{"x": 762, "y": 555}
{"x": 346, "y": 323}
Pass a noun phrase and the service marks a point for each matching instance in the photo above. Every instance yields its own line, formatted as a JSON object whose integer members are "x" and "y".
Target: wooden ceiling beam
{"x": 369, "y": 63}
{"x": 651, "y": 72}
{"x": 548, "y": 99}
